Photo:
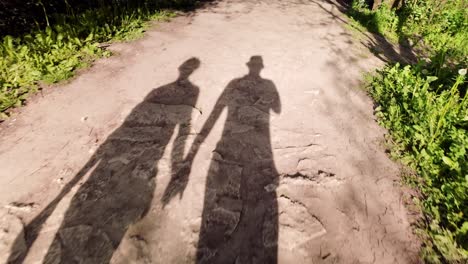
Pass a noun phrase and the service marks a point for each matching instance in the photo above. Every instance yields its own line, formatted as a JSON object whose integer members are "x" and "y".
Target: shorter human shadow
{"x": 240, "y": 212}
{"x": 121, "y": 182}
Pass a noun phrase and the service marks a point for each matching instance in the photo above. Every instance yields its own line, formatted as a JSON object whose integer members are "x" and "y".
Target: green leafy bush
{"x": 19, "y": 17}
{"x": 54, "y": 53}
{"x": 428, "y": 125}
{"x": 440, "y": 24}
{"x": 383, "y": 21}
{"x": 425, "y": 108}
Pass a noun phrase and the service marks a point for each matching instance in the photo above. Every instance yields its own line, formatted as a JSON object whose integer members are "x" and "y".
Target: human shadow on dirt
{"x": 240, "y": 212}
{"x": 122, "y": 171}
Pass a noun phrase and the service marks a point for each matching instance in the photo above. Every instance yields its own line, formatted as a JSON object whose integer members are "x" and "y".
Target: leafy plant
{"x": 428, "y": 125}
{"x": 54, "y": 53}
{"x": 425, "y": 108}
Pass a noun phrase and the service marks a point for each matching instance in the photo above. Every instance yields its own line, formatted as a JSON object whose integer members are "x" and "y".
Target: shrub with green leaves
{"x": 383, "y": 21}
{"x": 436, "y": 25}
{"x": 428, "y": 123}
{"x": 53, "y": 54}
{"x": 425, "y": 108}
{"x": 46, "y": 55}
{"x": 442, "y": 25}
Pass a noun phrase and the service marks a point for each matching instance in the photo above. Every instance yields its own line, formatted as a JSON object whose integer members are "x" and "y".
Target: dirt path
{"x": 254, "y": 109}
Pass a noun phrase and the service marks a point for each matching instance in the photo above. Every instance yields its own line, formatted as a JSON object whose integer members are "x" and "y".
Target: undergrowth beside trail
{"x": 425, "y": 108}
{"x": 428, "y": 131}
{"x": 54, "y": 52}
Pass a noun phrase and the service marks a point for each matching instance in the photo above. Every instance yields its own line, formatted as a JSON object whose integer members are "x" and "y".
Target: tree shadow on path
{"x": 240, "y": 214}
{"x": 122, "y": 171}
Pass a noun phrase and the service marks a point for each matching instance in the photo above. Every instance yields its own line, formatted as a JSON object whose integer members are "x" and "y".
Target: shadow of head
{"x": 188, "y": 67}
{"x": 255, "y": 65}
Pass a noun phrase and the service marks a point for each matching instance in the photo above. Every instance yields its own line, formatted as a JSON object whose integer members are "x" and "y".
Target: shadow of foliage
{"x": 20, "y": 17}
{"x": 387, "y": 24}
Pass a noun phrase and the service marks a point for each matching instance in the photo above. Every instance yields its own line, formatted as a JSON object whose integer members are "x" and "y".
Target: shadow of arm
{"x": 33, "y": 229}
{"x": 276, "y": 101}
{"x": 180, "y": 178}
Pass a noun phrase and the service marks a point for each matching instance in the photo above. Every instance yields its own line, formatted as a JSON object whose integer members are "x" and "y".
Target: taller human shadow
{"x": 240, "y": 213}
{"x": 120, "y": 188}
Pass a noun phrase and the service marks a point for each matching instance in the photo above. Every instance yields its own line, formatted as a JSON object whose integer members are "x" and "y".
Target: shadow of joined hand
{"x": 179, "y": 178}
{"x": 178, "y": 183}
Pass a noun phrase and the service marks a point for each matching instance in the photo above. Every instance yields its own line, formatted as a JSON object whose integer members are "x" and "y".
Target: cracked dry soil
{"x": 234, "y": 134}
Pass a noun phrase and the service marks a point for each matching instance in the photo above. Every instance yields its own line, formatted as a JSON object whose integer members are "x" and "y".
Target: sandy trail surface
{"x": 233, "y": 134}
